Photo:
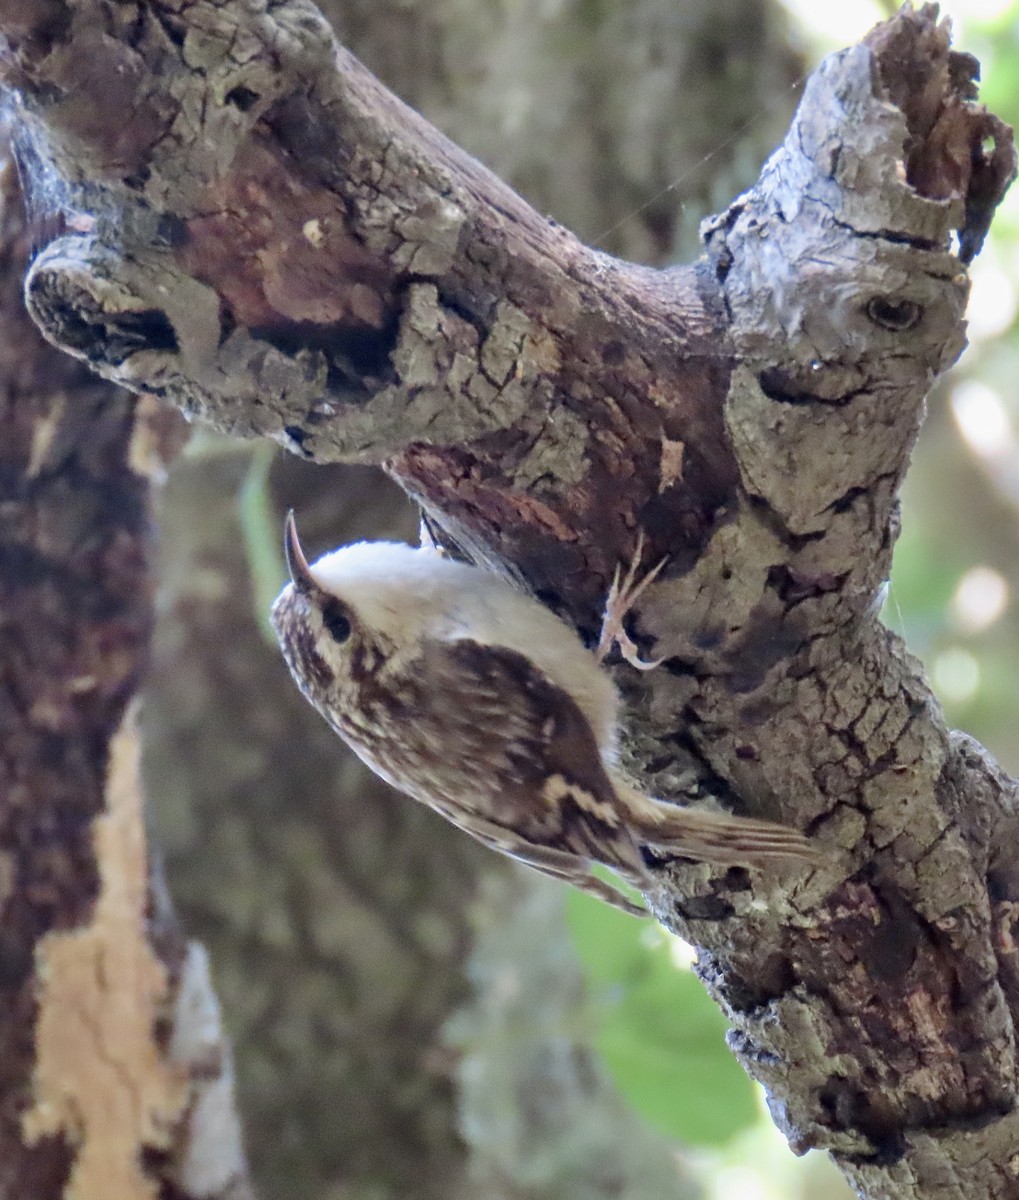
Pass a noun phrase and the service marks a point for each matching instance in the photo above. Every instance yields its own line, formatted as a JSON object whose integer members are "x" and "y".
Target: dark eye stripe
{"x": 336, "y": 621}
{"x": 302, "y": 654}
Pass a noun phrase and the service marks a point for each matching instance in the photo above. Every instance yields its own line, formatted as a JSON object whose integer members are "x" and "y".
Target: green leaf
{"x": 659, "y": 1034}
{"x": 607, "y": 939}
{"x": 263, "y": 537}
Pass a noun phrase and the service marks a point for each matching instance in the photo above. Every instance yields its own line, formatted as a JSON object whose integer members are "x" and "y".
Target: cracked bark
{"x": 625, "y": 122}
{"x": 222, "y": 769}
{"x": 274, "y": 242}
{"x": 220, "y": 764}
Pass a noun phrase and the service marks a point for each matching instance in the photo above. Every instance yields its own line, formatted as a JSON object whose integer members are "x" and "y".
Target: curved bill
{"x": 297, "y": 564}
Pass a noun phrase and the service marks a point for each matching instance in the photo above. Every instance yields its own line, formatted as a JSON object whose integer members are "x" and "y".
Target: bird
{"x": 469, "y": 695}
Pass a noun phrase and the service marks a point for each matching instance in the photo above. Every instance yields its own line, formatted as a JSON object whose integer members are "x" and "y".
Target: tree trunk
{"x": 115, "y": 1073}
{"x": 338, "y": 276}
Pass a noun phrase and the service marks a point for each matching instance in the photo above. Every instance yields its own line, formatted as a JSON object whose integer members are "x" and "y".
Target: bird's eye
{"x": 336, "y": 621}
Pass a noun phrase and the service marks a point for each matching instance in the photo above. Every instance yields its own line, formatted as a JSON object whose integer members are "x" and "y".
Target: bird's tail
{"x": 711, "y": 837}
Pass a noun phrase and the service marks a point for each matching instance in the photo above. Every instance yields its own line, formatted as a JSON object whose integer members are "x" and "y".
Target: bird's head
{"x": 354, "y": 612}
{"x": 328, "y": 640}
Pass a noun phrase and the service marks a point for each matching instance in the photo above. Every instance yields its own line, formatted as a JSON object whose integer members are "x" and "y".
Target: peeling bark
{"x": 100, "y": 1077}
{"x": 274, "y": 242}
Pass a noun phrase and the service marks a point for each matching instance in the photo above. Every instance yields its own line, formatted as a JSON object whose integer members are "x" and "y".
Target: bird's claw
{"x": 623, "y": 595}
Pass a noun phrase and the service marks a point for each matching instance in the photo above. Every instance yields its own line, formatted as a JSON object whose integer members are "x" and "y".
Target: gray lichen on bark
{"x": 341, "y": 278}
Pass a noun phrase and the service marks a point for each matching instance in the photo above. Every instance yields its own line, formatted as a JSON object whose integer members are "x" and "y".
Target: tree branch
{"x": 275, "y": 242}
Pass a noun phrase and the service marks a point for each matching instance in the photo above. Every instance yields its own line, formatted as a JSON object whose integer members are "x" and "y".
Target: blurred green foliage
{"x": 263, "y": 537}
{"x": 960, "y": 506}
{"x": 659, "y": 1034}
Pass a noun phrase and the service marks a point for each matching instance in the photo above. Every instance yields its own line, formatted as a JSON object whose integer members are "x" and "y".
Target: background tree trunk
{"x": 113, "y": 1068}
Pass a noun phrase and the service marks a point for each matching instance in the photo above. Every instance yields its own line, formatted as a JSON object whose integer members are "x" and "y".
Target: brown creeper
{"x": 473, "y": 698}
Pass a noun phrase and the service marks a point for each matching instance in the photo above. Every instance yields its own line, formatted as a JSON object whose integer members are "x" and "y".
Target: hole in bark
{"x": 172, "y": 231}
{"x": 241, "y": 97}
{"x": 112, "y": 340}
{"x": 784, "y": 388}
{"x": 893, "y": 314}
{"x": 73, "y": 317}
{"x": 705, "y": 908}
{"x": 773, "y": 978}
{"x": 847, "y": 1107}
{"x": 131, "y": 332}
{"x": 350, "y": 353}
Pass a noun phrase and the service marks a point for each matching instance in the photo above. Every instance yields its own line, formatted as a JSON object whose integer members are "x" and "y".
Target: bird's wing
{"x": 527, "y": 737}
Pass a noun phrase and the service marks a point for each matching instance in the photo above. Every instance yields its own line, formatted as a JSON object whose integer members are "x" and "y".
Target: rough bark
{"x": 273, "y": 241}
{"x": 115, "y": 1078}
{"x": 221, "y": 769}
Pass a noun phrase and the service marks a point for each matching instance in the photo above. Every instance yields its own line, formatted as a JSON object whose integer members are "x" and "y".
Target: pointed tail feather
{"x": 712, "y": 837}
